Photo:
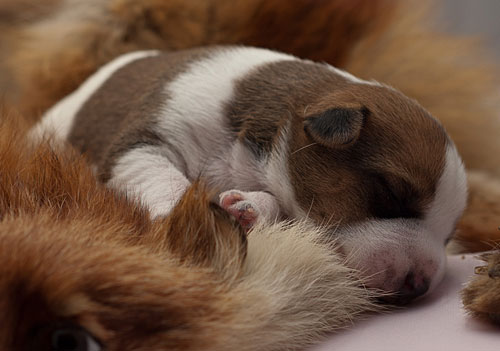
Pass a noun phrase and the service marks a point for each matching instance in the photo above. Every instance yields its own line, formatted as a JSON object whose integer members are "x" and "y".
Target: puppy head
{"x": 382, "y": 172}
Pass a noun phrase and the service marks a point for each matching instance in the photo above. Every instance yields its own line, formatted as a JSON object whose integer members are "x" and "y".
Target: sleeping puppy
{"x": 281, "y": 138}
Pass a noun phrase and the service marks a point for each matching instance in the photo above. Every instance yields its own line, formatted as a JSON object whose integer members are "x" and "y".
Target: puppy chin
{"x": 398, "y": 256}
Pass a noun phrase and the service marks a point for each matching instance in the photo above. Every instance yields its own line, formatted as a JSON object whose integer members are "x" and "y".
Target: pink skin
{"x": 250, "y": 207}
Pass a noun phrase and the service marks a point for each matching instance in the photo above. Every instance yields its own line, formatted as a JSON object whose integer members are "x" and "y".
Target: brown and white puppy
{"x": 279, "y": 136}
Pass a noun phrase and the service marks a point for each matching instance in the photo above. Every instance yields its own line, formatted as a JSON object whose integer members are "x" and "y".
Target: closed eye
{"x": 392, "y": 201}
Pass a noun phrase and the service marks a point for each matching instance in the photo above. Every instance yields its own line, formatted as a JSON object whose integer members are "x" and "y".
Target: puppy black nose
{"x": 413, "y": 287}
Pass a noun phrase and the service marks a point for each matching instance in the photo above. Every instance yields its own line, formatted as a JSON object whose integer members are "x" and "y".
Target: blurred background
{"x": 475, "y": 17}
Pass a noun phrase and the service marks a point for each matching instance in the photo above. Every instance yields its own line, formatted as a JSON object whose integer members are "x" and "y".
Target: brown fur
{"x": 481, "y": 297}
{"x": 371, "y": 166}
{"x": 23, "y": 11}
{"x": 112, "y": 27}
{"x": 114, "y": 118}
{"x": 305, "y": 90}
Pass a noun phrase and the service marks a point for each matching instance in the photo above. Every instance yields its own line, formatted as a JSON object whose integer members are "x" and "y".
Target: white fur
{"x": 198, "y": 97}
{"x": 278, "y": 178}
{"x": 293, "y": 290}
{"x": 149, "y": 178}
{"x": 448, "y": 204}
{"x": 350, "y": 77}
{"x": 59, "y": 119}
{"x": 387, "y": 250}
{"x": 451, "y": 195}
{"x": 239, "y": 170}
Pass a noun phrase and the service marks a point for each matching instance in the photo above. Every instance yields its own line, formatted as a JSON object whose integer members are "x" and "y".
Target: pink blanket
{"x": 437, "y": 322}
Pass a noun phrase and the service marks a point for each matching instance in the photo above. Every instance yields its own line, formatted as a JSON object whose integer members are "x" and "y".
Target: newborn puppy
{"x": 280, "y": 137}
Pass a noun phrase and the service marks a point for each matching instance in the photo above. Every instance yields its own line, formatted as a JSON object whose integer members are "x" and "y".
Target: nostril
{"x": 413, "y": 286}
{"x": 423, "y": 287}
{"x": 409, "y": 283}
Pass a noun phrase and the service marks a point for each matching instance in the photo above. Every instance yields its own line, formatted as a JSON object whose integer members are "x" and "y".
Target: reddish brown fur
{"x": 130, "y": 25}
{"x": 73, "y": 251}
{"x": 481, "y": 297}
{"x": 478, "y": 229}
{"x": 22, "y": 11}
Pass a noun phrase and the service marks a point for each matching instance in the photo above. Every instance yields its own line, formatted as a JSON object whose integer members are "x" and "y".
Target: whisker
{"x": 303, "y": 147}
{"x": 310, "y": 208}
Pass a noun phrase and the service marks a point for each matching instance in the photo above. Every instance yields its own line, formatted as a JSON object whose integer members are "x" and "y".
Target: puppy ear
{"x": 336, "y": 127}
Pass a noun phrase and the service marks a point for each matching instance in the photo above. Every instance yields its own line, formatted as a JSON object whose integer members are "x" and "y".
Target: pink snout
{"x": 400, "y": 277}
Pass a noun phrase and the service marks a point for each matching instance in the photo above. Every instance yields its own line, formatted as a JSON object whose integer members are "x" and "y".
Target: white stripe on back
{"x": 195, "y": 109}
{"x": 58, "y": 120}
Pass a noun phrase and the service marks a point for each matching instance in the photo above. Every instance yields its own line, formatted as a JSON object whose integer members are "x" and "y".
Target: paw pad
{"x": 237, "y": 205}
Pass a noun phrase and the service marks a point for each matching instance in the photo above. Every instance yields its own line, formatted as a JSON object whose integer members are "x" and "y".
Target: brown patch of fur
{"x": 264, "y": 100}
{"x": 481, "y": 297}
{"x": 390, "y": 153}
{"x": 321, "y": 31}
{"x": 121, "y": 113}
{"x": 384, "y": 157}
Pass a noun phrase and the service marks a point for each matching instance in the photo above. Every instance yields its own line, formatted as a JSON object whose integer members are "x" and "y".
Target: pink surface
{"x": 437, "y": 322}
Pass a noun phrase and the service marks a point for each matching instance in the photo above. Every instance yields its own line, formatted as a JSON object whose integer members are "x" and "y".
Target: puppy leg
{"x": 250, "y": 207}
{"x": 150, "y": 178}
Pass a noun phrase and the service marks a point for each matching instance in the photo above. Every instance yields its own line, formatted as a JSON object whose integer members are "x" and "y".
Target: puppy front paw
{"x": 249, "y": 207}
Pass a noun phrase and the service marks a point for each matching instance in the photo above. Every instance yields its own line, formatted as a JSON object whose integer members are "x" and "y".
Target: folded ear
{"x": 336, "y": 127}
